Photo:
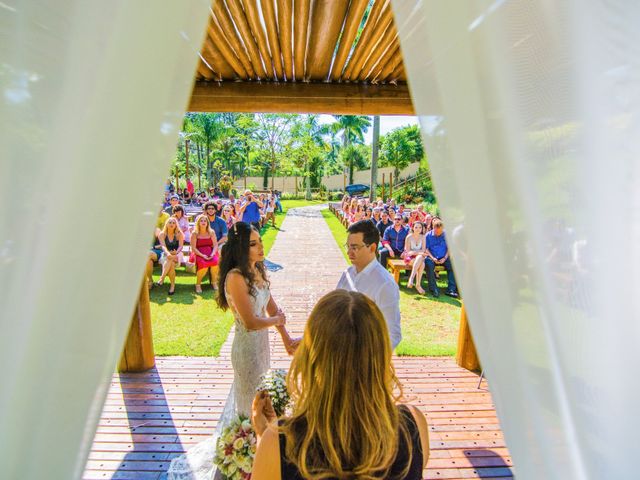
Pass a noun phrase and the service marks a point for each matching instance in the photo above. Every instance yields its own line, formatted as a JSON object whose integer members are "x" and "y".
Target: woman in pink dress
{"x": 204, "y": 246}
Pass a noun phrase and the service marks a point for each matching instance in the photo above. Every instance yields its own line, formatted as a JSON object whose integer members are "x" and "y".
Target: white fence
{"x": 331, "y": 182}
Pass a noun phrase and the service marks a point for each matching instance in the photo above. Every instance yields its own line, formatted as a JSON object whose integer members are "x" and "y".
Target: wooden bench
{"x": 397, "y": 265}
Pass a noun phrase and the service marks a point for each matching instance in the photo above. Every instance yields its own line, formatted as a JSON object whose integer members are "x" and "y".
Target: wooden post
{"x": 466, "y": 356}
{"x": 390, "y": 184}
{"x": 415, "y": 183}
{"x": 296, "y": 186}
{"x": 245, "y": 183}
{"x": 383, "y": 188}
{"x": 137, "y": 354}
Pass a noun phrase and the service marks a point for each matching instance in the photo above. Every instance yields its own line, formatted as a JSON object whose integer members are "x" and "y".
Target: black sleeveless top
{"x": 289, "y": 471}
{"x": 171, "y": 245}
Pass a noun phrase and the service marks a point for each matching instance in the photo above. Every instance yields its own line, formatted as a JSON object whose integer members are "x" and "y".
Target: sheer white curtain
{"x": 530, "y": 115}
{"x": 92, "y": 95}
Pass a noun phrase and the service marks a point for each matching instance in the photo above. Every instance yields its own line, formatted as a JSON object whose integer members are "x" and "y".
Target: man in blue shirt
{"x": 217, "y": 224}
{"x": 438, "y": 254}
{"x": 250, "y": 209}
{"x": 393, "y": 239}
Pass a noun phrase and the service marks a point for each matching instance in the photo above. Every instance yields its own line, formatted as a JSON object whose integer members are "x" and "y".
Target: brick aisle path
{"x": 151, "y": 417}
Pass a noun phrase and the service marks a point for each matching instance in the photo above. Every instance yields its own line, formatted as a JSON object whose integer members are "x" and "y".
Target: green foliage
{"x": 401, "y": 147}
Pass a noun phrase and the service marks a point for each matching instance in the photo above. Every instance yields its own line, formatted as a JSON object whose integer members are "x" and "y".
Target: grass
{"x": 188, "y": 324}
{"x": 429, "y": 325}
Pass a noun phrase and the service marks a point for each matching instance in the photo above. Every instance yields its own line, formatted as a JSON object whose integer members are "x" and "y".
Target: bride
{"x": 244, "y": 288}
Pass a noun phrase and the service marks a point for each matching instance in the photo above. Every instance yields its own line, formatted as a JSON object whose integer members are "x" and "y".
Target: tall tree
{"x": 208, "y": 128}
{"x": 400, "y": 147}
{"x": 273, "y": 133}
{"x": 352, "y": 128}
{"x": 308, "y": 144}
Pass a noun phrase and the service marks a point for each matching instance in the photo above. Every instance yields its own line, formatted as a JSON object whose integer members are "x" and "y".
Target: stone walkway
{"x": 151, "y": 417}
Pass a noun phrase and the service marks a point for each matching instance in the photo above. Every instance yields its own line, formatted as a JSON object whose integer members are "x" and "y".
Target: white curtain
{"x": 530, "y": 115}
{"x": 92, "y": 95}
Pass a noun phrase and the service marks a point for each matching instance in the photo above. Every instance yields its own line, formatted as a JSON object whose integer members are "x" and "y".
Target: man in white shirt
{"x": 366, "y": 275}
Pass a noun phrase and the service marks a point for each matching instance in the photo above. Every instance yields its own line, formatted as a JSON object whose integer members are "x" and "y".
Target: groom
{"x": 368, "y": 276}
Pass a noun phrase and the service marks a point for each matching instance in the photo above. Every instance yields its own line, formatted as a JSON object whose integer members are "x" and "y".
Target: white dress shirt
{"x": 378, "y": 284}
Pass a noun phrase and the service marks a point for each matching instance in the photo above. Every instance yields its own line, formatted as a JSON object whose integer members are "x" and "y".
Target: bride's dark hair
{"x": 235, "y": 255}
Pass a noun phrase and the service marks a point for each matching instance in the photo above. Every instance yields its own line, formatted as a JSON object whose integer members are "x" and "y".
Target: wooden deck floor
{"x": 149, "y": 418}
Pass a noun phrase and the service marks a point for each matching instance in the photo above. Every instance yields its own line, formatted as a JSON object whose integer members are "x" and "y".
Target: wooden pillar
{"x": 415, "y": 183}
{"x": 245, "y": 183}
{"x": 390, "y": 184}
{"x": 383, "y": 199}
{"x": 466, "y": 356}
{"x": 137, "y": 354}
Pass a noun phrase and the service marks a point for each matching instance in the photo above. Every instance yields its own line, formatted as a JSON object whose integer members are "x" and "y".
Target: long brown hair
{"x": 345, "y": 422}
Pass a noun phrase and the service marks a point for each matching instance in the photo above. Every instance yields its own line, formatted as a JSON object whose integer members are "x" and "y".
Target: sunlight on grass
{"x": 429, "y": 325}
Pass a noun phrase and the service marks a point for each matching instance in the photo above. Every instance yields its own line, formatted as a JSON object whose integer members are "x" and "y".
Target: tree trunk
{"x": 186, "y": 155}
{"x": 273, "y": 169}
{"x": 374, "y": 157}
{"x": 308, "y": 172}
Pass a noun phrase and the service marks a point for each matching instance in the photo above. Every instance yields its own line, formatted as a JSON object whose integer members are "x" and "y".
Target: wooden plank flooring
{"x": 150, "y": 418}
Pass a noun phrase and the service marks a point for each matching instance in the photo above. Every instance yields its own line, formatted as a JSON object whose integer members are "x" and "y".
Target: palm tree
{"x": 207, "y": 128}
{"x": 353, "y": 128}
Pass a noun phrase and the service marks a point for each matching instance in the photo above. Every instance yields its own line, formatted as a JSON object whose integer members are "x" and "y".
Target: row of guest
{"x": 356, "y": 209}
{"x": 421, "y": 249}
{"x": 206, "y": 237}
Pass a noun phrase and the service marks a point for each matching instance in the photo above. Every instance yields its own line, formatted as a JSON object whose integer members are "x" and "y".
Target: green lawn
{"x": 193, "y": 325}
{"x": 429, "y": 325}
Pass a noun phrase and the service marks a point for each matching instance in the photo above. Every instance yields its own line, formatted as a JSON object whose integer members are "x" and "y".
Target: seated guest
{"x": 346, "y": 420}
{"x": 186, "y": 197}
{"x": 428, "y": 219}
{"x": 250, "y": 209}
{"x": 438, "y": 254}
{"x": 227, "y": 216}
{"x": 174, "y": 200}
{"x": 401, "y": 209}
{"x": 216, "y": 223}
{"x": 368, "y": 214}
{"x": 392, "y": 205}
{"x": 421, "y": 214}
{"x": 393, "y": 240}
{"x": 384, "y": 223}
{"x": 358, "y": 214}
{"x": 405, "y": 221}
{"x": 204, "y": 248}
{"x": 171, "y": 239}
{"x": 156, "y": 248}
{"x": 414, "y": 255}
{"x": 375, "y": 215}
{"x": 413, "y": 218}
{"x": 203, "y": 198}
{"x": 183, "y": 223}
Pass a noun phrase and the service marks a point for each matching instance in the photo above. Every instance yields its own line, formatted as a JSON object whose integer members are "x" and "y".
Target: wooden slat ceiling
{"x": 302, "y": 40}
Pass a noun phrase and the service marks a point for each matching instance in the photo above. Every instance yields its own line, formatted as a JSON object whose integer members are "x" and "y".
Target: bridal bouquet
{"x": 275, "y": 382}
{"x": 236, "y": 449}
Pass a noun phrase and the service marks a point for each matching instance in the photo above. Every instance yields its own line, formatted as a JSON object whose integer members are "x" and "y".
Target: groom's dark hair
{"x": 368, "y": 230}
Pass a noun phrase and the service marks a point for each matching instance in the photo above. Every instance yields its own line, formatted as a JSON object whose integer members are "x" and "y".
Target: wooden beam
{"x": 369, "y": 48}
{"x": 240, "y": 20}
{"x": 251, "y": 10}
{"x": 327, "y": 17}
{"x": 221, "y": 14}
{"x": 137, "y": 353}
{"x": 269, "y": 15}
{"x": 285, "y": 25}
{"x": 300, "y": 31}
{"x": 218, "y": 40}
{"x": 213, "y": 56}
{"x": 339, "y": 99}
{"x": 365, "y": 36}
{"x": 349, "y": 32}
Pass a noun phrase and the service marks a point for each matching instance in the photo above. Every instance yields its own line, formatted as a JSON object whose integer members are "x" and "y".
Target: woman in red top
{"x": 205, "y": 250}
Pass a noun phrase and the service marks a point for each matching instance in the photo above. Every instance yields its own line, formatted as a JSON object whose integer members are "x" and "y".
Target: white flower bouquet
{"x": 235, "y": 449}
{"x": 275, "y": 382}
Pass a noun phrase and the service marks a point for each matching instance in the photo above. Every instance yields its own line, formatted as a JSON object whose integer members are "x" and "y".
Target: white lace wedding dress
{"x": 250, "y": 359}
